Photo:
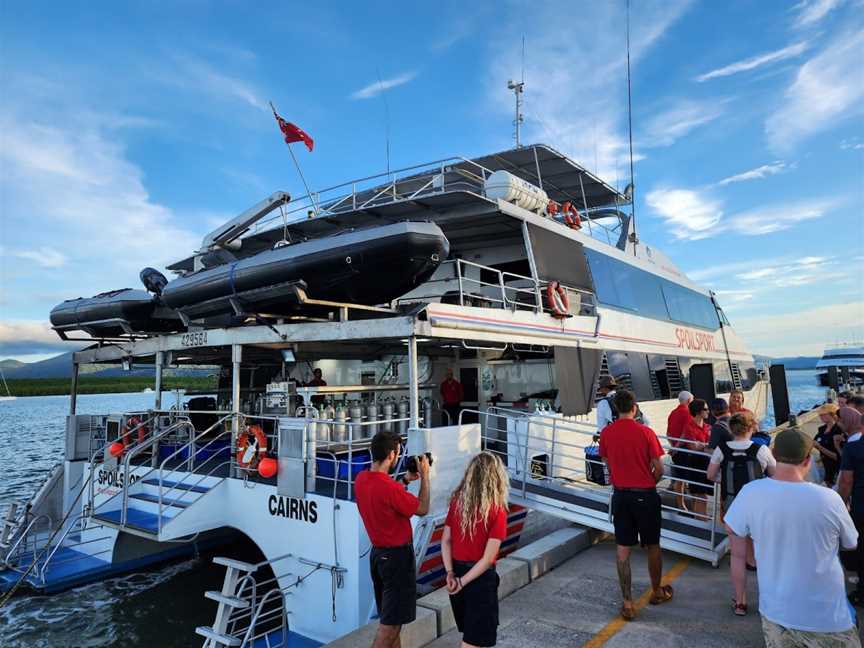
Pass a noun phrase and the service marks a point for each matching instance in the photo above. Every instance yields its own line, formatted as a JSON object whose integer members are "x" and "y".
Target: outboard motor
{"x": 153, "y": 280}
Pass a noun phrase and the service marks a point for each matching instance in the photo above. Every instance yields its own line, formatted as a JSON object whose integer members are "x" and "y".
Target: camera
{"x": 411, "y": 462}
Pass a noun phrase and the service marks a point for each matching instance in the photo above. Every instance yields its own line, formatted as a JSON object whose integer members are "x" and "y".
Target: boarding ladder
{"x": 172, "y": 488}
{"x": 554, "y": 467}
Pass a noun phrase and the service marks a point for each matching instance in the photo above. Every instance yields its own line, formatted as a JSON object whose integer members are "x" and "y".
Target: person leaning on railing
{"x": 697, "y": 434}
{"x": 386, "y": 508}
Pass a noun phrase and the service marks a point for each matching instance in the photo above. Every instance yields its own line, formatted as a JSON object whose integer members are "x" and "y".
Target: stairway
{"x": 143, "y": 514}
{"x": 736, "y": 375}
{"x": 674, "y": 377}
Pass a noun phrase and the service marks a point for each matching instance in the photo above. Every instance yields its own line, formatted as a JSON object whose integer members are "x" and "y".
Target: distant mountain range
{"x": 61, "y": 367}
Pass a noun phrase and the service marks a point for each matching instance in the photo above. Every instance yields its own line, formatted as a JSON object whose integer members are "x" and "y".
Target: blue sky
{"x": 129, "y": 130}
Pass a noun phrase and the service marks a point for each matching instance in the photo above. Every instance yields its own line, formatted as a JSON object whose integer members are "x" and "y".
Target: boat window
{"x": 749, "y": 375}
{"x": 722, "y": 377}
{"x": 625, "y": 286}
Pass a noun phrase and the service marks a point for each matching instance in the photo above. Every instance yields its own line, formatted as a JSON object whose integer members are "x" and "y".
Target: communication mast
{"x": 517, "y": 123}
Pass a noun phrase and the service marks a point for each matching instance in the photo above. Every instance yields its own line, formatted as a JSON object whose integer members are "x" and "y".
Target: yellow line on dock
{"x": 612, "y": 628}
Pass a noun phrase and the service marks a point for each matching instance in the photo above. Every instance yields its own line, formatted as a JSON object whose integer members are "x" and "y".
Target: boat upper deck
{"x": 451, "y": 192}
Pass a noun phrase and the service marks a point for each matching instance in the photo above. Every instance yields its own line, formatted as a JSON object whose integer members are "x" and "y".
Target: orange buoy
{"x": 116, "y": 449}
{"x": 268, "y": 467}
{"x": 557, "y": 299}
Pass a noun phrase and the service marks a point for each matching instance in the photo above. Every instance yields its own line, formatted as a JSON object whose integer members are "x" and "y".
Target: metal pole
{"x": 537, "y": 166}
{"x": 160, "y": 358}
{"x": 413, "y": 391}
{"x": 73, "y": 391}
{"x": 529, "y": 250}
{"x": 306, "y": 186}
{"x": 236, "y": 358}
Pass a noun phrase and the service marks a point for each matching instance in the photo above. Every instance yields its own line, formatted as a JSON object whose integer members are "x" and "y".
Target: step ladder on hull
{"x": 554, "y": 468}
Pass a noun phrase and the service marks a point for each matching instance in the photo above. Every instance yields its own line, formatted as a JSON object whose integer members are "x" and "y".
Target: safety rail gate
{"x": 550, "y": 457}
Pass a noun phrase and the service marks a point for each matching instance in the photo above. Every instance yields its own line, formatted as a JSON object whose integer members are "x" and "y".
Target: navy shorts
{"x": 637, "y": 517}
{"x": 394, "y": 579}
{"x": 475, "y": 608}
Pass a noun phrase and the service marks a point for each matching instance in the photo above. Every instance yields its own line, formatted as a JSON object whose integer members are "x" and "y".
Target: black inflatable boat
{"x": 114, "y": 313}
{"x": 363, "y": 266}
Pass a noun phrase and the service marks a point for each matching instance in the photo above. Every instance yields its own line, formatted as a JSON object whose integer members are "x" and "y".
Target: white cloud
{"x": 758, "y": 173}
{"x": 376, "y": 88}
{"x": 693, "y": 214}
{"x": 44, "y": 256}
{"x": 664, "y": 128}
{"x": 755, "y": 62}
{"x": 26, "y": 337}
{"x": 827, "y": 88}
{"x": 192, "y": 73}
{"x": 575, "y": 90}
{"x": 802, "y": 332}
{"x": 688, "y": 214}
{"x": 852, "y": 144}
{"x": 812, "y": 11}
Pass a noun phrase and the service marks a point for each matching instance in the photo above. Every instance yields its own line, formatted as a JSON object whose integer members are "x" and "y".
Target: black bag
{"x": 739, "y": 468}
{"x": 595, "y": 469}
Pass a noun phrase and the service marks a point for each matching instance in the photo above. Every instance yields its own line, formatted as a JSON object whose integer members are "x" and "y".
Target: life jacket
{"x": 739, "y": 468}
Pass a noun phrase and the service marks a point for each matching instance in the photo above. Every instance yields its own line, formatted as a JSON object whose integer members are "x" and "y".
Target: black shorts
{"x": 475, "y": 608}
{"x": 697, "y": 475}
{"x": 394, "y": 578}
{"x": 678, "y": 460}
{"x": 636, "y": 517}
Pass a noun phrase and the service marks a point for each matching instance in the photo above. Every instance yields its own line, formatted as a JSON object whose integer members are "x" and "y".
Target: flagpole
{"x": 297, "y": 164}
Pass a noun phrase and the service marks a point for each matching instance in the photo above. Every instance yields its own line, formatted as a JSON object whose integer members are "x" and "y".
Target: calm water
{"x": 156, "y": 608}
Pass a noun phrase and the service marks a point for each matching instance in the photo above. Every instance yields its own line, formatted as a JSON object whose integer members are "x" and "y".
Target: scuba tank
{"x": 426, "y": 412}
{"x": 372, "y": 415}
{"x": 402, "y": 413}
{"x": 324, "y": 429}
{"x": 387, "y": 415}
{"x": 340, "y": 430}
{"x": 355, "y": 415}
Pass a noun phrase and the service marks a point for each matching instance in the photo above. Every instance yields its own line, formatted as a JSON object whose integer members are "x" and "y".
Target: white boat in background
{"x": 848, "y": 359}
{"x": 8, "y": 395}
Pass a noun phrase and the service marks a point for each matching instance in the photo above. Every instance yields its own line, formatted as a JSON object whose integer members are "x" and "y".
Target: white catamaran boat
{"x": 848, "y": 363}
{"x": 519, "y": 270}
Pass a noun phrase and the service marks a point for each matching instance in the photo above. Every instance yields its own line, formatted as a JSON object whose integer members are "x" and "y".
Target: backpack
{"x": 639, "y": 418}
{"x": 739, "y": 468}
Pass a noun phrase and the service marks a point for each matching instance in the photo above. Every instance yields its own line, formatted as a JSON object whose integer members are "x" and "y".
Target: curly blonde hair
{"x": 484, "y": 487}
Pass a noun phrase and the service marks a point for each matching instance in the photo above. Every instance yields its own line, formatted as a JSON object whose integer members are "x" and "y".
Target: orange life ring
{"x": 258, "y": 447}
{"x": 571, "y": 216}
{"x": 126, "y": 433}
{"x": 557, "y": 299}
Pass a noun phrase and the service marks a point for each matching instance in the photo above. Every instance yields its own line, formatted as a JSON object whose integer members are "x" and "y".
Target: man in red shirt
{"x": 451, "y": 397}
{"x": 674, "y": 430}
{"x": 633, "y": 454}
{"x": 386, "y": 508}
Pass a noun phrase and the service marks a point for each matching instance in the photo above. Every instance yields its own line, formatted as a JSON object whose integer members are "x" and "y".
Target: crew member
{"x": 451, "y": 396}
{"x": 386, "y": 508}
{"x": 634, "y": 456}
{"x": 318, "y": 381}
{"x": 674, "y": 431}
{"x": 606, "y": 412}
{"x": 736, "y": 403}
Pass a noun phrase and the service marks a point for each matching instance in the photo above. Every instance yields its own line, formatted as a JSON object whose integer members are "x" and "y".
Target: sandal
{"x": 663, "y": 595}
{"x": 739, "y": 609}
{"x": 751, "y": 567}
{"x": 628, "y": 613}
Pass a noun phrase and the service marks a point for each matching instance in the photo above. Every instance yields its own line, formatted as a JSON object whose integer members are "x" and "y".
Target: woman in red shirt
{"x": 475, "y": 526}
{"x": 695, "y": 439}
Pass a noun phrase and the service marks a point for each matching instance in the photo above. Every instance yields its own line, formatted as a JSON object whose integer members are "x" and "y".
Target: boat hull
{"x": 368, "y": 266}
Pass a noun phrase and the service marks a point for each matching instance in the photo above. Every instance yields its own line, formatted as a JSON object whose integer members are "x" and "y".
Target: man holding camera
{"x": 386, "y": 507}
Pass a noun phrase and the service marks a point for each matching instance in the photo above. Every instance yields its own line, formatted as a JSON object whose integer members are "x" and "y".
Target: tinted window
{"x": 624, "y": 286}
{"x": 722, "y": 377}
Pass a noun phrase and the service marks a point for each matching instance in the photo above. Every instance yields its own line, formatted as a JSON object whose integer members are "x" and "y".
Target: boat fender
{"x": 268, "y": 467}
{"x": 557, "y": 300}
{"x": 571, "y": 216}
{"x": 153, "y": 280}
{"x": 251, "y": 446}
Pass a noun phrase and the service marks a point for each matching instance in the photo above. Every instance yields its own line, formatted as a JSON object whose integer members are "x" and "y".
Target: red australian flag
{"x": 291, "y": 132}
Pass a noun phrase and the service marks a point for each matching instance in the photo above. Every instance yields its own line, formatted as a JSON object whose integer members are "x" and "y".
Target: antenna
{"x": 386, "y": 120}
{"x": 518, "y": 89}
{"x": 633, "y": 237}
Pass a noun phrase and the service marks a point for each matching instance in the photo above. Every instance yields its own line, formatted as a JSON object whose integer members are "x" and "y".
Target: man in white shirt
{"x": 605, "y": 414}
{"x": 797, "y": 528}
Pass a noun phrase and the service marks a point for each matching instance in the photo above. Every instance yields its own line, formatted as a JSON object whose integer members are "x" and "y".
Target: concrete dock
{"x": 577, "y": 603}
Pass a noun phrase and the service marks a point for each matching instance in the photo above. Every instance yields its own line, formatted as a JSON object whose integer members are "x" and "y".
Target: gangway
{"x": 550, "y": 458}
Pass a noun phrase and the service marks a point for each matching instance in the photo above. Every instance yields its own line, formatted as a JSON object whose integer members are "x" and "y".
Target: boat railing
{"x": 555, "y": 457}
{"x": 82, "y": 523}
{"x": 408, "y": 183}
{"x": 30, "y": 533}
{"x": 473, "y": 284}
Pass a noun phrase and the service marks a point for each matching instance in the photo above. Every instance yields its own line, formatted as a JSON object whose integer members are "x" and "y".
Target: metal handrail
{"x": 60, "y": 542}
{"x": 136, "y": 450}
{"x": 24, "y": 535}
{"x": 257, "y": 616}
